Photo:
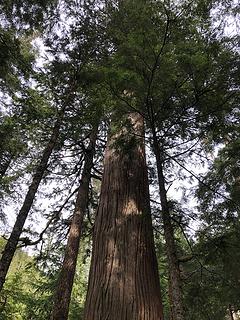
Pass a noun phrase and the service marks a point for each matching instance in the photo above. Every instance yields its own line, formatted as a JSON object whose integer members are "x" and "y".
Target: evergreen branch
{"x": 184, "y": 152}
{"x": 27, "y": 242}
{"x": 203, "y": 183}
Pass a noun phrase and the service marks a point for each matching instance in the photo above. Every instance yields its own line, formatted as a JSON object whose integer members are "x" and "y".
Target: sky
{"x": 175, "y": 191}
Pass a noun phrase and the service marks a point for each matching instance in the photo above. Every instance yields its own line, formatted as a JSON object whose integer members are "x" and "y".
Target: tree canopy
{"x": 101, "y": 103}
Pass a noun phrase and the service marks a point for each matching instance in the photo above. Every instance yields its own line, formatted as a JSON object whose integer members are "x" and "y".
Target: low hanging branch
{"x": 40, "y": 170}
{"x": 27, "y": 242}
{"x": 203, "y": 183}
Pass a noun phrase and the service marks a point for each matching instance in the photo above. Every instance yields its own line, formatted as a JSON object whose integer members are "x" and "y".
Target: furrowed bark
{"x": 12, "y": 242}
{"x": 66, "y": 277}
{"x": 175, "y": 290}
{"x": 124, "y": 280}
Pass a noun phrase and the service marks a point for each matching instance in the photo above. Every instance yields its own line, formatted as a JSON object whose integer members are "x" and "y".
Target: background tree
{"x": 177, "y": 69}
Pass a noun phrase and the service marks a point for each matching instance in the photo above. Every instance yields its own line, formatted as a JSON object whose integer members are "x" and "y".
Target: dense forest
{"x": 119, "y": 160}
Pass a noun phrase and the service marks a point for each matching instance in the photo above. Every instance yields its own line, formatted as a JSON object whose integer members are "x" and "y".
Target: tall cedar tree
{"x": 12, "y": 242}
{"x": 124, "y": 280}
{"x": 142, "y": 57}
{"x": 66, "y": 277}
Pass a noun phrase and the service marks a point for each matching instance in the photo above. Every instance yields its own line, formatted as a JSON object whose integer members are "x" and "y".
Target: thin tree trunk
{"x": 66, "y": 277}
{"x": 175, "y": 290}
{"x": 5, "y": 164}
{"x": 12, "y": 242}
{"x": 231, "y": 312}
{"x": 124, "y": 280}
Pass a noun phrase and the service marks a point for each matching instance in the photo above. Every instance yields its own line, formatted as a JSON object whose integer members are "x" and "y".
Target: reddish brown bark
{"x": 124, "y": 280}
{"x": 12, "y": 242}
{"x": 66, "y": 277}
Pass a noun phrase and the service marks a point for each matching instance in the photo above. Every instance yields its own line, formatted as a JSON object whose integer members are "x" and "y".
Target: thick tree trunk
{"x": 124, "y": 280}
{"x": 66, "y": 277}
{"x": 175, "y": 290}
{"x": 12, "y": 242}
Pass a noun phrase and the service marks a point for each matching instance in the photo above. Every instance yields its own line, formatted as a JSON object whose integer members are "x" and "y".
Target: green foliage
{"x": 166, "y": 61}
{"x": 218, "y": 237}
{"x": 24, "y": 295}
{"x": 219, "y": 195}
{"x": 29, "y": 291}
{"x": 16, "y": 58}
{"x": 212, "y": 278}
{"x": 80, "y": 281}
{"x": 26, "y": 13}
{"x": 163, "y": 272}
